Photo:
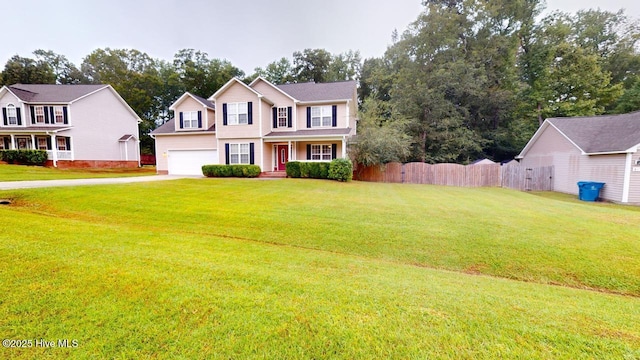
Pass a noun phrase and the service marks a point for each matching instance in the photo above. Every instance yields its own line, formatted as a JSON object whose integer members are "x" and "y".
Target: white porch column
{"x": 54, "y": 150}
{"x": 137, "y": 142}
{"x": 33, "y": 142}
{"x": 13, "y": 142}
{"x": 289, "y": 151}
{"x": 344, "y": 148}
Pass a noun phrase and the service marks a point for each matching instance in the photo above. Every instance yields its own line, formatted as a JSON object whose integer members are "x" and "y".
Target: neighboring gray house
{"x": 598, "y": 148}
{"x": 78, "y": 125}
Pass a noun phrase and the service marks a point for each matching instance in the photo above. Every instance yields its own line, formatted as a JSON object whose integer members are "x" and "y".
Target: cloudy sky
{"x": 249, "y": 33}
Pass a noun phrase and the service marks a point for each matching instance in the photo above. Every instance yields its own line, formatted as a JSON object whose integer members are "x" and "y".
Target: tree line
{"x": 467, "y": 79}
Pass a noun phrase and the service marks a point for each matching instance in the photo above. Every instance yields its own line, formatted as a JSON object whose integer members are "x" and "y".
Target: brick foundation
{"x": 96, "y": 164}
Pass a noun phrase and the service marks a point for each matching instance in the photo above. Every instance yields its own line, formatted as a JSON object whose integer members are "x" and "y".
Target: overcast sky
{"x": 249, "y": 33}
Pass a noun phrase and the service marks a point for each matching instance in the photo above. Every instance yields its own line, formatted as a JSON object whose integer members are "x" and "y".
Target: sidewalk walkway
{"x": 12, "y": 185}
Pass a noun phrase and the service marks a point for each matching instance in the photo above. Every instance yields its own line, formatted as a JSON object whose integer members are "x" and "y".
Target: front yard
{"x": 316, "y": 269}
{"x": 24, "y": 173}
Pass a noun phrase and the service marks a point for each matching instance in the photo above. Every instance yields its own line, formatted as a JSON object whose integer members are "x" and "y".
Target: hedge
{"x": 24, "y": 157}
{"x": 342, "y": 170}
{"x": 249, "y": 171}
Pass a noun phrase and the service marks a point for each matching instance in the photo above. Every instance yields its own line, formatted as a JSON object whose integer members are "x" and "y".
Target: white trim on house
{"x": 181, "y": 99}
{"x": 539, "y": 132}
{"x": 626, "y": 184}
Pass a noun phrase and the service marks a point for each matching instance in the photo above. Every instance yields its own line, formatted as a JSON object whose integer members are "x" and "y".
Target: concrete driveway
{"x": 12, "y": 185}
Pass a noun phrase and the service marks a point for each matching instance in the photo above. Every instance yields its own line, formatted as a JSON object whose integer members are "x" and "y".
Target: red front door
{"x": 283, "y": 156}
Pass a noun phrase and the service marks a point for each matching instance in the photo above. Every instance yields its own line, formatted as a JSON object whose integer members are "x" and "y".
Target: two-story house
{"x": 78, "y": 125}
{"x": 260, "y": 123}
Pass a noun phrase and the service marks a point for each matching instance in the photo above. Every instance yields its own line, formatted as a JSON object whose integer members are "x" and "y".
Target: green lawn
{"x": 210, "y": 268}
{"x": 23, "y": 173}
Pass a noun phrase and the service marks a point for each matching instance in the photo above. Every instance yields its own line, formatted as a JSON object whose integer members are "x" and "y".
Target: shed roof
{"x": 601, "y": 134}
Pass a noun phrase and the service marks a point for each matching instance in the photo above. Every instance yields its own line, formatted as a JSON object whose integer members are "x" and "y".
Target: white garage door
{"x": 189, "y": 162}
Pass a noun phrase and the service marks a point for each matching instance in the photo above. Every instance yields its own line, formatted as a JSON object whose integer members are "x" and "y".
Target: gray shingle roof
{"x": 43, "y": 93}
{"x": 320, "y": 92}
{"x": 204, "y": 101}
{"x": 170, "y": 128}
{"x": 601, "y": 134}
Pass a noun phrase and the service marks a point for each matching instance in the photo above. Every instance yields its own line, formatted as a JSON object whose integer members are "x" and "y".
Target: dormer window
{"x": 190, "y": 120}
{"x": 12, "y": 115}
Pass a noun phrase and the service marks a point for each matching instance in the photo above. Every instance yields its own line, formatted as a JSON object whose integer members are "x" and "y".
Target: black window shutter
{"x": 181, "y": 121}
{"x": 334, "y": 151}
{"x": 19, "y": 116}
{"x": 49, "y": 147}
{"x": 226, "y": 153}
{"x": 251, "y": 154}
{"x": 224, "y": 116}
{"x": 7, "y": 143}
{"x": 33, "y": 114}
{"x": 52, "y": 116}
{"x": 4, "y": 116}
{"x": 308, "y": 117}
{"x": 45, "y": 109}
{"x": 250, "y": 112}
{"x": 199, "y": 119}
{"x": 334, "y": 116}
{"x": 308, "y": 151}
{"x": 64, "y": 115}
{"x": 289, "y": 116}
{"x": 68, "y": 143}
{"x": 275, "y": 117}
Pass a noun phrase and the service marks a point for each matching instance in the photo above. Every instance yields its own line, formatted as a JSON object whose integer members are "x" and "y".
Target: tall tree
{"x": 200, "y": 75}
{"x": 27, "y": 71}
{"x": 65, "y": 71}
{"x": 277, "y": 72}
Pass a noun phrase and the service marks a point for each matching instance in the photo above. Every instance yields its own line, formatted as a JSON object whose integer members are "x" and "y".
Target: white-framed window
{"x": 321, "y": 152}
{"x": 42, "y": 143}
{"x": 190, "y": 120}
{"x": 39, "y": 114}
{"x": 12, "y": 115}
{"x": 321, "y": 116}
{"x": 62, "y": 143}
{"x": 58, "y": 114}
{"x": 23, "y": 143}
{"x": 239, "y": 153}
{"x": 283, "y": 117}
{"x": 238, "y": 113}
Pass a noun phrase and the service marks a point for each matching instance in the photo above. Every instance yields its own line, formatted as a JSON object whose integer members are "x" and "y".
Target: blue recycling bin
{"x": 589, "y": 190}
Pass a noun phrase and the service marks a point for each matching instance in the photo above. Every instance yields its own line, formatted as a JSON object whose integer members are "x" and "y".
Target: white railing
{"x": 62, "y": 155}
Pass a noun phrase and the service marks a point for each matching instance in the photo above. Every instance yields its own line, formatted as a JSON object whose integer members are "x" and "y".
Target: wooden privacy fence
{"x": 510, "y": 176}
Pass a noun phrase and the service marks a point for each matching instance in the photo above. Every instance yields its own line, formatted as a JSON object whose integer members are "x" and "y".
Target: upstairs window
{"x": 238, "y": 113}
{"x": 190, "y": 120}
{"x": 39, "y": 114}
{"x": 58, "y": 114}
{"x": 283, "y": 117}
{"x": 321, "y": 116}
{"x": 12, "y": 115}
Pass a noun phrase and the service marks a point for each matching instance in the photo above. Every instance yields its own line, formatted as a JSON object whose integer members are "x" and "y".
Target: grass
{"x": 24, "y": 173}
{"x": 316, "y": 269}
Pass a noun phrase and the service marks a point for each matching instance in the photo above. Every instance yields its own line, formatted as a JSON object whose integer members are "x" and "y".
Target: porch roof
{"x": 32, "y": 129}
{"x": 307, "y": 134}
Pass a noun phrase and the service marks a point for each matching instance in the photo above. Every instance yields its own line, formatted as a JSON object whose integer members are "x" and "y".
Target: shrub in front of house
{"x": 341, "y": 170}
{"x": 249, "y": 171}
{"x": 24, "y": 157}
{"x": 293, "y": 169}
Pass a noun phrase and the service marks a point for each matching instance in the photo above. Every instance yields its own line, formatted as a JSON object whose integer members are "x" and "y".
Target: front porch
{"x": 303, "y": 145}
{"x": 57, "y": 147}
